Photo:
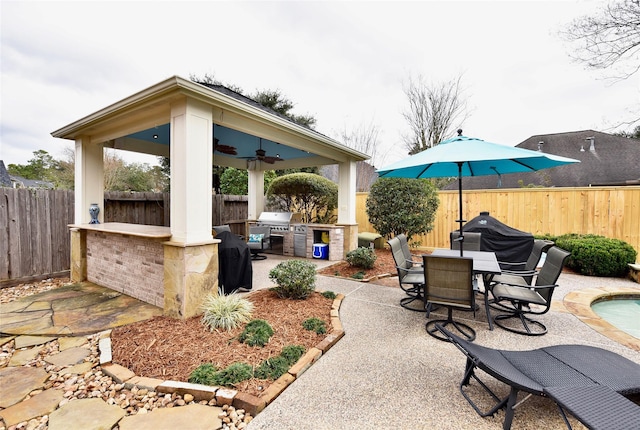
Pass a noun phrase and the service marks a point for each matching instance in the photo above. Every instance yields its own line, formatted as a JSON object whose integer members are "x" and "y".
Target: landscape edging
{"x": 250, "y": 403}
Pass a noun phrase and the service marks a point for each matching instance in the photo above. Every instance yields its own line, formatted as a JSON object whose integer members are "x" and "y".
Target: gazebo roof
{"x": 141, "y": 123}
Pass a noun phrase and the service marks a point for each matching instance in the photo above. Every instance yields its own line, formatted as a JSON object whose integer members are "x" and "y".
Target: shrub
{"x": 597, "y": 255}
{"x": 314, "y": 197}
{"x": 315, "y": 324}
{"x": 295, "y": 279}
{"x": 236, "y": 372}
{"x": 256, "y": 333}
{"x": 225, "y": 312}
{"x": 275, "y": 367}
{"x": 358, "y": 275}
{"x": 204, "y": 374}
{"x": 272, "y": 368}
{"x": 292, "y": 353}
{"x": 329, "y": 295}
{"x": 362, "y": 257}
{"x": 399, "y": 205}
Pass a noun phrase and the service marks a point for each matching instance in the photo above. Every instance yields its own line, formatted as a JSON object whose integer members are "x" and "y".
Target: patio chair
{"x": 585, "y": 380}
{"x": 524, "y": 299}
{"x": 471, "y": 240}
{"x": 448, "y": 282}
{"x": 411, "y": 279}
{"x": 404, "y": 245}
{"x": 259, "y": 240}
{"x": 525, "y": 269}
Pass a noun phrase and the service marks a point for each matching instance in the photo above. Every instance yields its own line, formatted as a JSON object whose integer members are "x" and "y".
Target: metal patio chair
{"x": 519, "y": 298}
{"x": 411, "y": 279}
{"x": 448, "y": 283}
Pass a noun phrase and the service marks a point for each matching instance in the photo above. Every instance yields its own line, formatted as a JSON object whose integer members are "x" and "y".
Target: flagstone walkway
{"x": 70, "y": 314}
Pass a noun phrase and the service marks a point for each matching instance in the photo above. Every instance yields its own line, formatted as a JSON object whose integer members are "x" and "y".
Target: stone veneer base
{"x": 250, "y": 403}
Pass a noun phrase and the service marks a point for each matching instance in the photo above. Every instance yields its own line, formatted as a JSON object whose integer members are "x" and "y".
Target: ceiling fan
{"x": 261, "y": 155}
{"x": 224, "y": 149}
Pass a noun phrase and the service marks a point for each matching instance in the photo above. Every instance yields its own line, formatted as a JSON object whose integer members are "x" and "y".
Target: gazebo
{"x": 196, "y": 126}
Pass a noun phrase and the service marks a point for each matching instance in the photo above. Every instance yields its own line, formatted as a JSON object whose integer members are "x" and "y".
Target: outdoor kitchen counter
{"x": 140, "y": 230}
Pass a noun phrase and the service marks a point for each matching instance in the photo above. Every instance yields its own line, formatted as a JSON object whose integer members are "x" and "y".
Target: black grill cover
{"x": 508, "y": 243}
{"x": 234, "y": 263}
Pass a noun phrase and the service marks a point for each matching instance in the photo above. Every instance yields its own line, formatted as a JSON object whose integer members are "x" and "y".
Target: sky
{"x": 344, "y": 62}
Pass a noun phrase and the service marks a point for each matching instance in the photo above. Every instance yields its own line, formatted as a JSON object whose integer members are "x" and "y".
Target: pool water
{"x": 624, "y": 313}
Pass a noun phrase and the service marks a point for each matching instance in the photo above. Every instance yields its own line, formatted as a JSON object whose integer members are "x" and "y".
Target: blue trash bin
{"x": 321, "y": 251}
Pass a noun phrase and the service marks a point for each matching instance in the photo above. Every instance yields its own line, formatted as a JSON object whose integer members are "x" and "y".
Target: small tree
{"x": 399, "y": 205}
{"x": 313, "y": 196}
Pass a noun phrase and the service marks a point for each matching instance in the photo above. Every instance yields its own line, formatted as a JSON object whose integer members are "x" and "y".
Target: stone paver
{"x": 68, "y": 357}
{"x": 6, "y": 339}
{"x": 193, "y": 416}
{"x": 74, "y": 415}
{"x": 38, "y": 405}
{"x": 20, "y": 358}
{"x": 17, "y": 382}
{"x": 79, "y": 369}
{"x": 27, "y": 341}
{"x": 71, "y": 342}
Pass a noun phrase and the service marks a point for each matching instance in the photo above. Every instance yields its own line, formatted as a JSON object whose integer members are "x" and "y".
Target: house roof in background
{"x": 5, "y": 180}
{"x": 611, "y": 160}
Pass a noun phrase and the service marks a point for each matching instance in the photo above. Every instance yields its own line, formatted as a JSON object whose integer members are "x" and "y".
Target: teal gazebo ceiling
{"x": 245, "y": 144}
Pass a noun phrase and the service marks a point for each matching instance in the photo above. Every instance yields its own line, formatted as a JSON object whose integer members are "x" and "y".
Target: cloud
{"x": 343, "y": 62}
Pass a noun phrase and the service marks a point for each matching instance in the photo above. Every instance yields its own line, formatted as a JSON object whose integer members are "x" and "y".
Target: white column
{"x": 347, "y": 193}
{"x": 191, "y": 171}
{"x": 256, "y": 194}
{"x": 89, "y": 180}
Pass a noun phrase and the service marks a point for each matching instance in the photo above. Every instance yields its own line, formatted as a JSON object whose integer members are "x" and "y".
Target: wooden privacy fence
{"x": 34, "y": 233}
{"x": 34, "y": 237}
{"x": 612, "y": 212}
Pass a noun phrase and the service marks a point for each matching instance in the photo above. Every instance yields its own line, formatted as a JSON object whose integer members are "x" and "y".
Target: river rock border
{"x": 223, "y": 396}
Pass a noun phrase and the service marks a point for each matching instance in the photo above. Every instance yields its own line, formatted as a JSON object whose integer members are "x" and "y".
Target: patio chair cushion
{"x": 256, "y": 238}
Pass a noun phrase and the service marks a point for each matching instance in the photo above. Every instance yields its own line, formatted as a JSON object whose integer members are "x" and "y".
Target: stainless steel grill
{"x": 281, "y": 223}
{"x": 278, "y": 221}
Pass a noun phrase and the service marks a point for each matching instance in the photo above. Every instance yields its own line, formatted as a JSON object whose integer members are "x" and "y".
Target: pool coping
{"x": 579, "y": 303}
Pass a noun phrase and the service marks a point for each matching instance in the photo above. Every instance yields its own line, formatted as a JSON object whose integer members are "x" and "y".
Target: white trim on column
{"x": 191, "y": 171}
{"x": 89, "y": 180}
{"x": 256, "y": 192}
{"x": 347, "y": 193}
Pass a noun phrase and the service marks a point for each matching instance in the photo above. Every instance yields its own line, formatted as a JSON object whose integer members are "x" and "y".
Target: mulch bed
{"x": 170, "y": 349}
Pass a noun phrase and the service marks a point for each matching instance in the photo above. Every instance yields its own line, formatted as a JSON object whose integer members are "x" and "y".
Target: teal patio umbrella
{"x": 469, "y": 156}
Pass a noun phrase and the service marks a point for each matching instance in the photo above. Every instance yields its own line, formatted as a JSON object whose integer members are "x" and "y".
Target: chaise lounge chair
{"x": 587, "y": 381}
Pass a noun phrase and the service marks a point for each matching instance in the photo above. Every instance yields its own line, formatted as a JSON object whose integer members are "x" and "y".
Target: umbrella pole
{"x": 460, "y": 220}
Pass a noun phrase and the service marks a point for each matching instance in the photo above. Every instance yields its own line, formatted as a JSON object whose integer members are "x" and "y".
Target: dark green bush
{"x": 275, "y": 367}
{"x": 272, "y": 368}
{"x": 329, "y": 295}
{"x": 358, "y": 275}
{"x": 236, "y": 372}
{"x": 597, "y": 255}
{"x": 399, "y": 205}
{"x": 256, "y": 333}
{"x": 292, "y": 353}
{"x": 315, "y": 324}
{"x": 295, "y": 279}
{"x": 204, "y": 374}
{"x": 362, "y": 257}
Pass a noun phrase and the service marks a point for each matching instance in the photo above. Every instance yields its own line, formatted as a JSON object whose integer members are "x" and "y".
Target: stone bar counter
{"x": 128, "y": 258}
{"x": 141, "y": 261}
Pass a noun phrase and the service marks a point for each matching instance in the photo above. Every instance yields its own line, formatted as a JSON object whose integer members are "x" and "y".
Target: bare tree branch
{"x": 609, "y": 40}
{"x": 435, "y": 112}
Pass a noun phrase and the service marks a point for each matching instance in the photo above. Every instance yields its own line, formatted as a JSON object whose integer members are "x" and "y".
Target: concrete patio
{"x": 386, "y": 372}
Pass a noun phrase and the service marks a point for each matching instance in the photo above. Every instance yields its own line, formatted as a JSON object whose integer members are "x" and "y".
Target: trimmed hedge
{"x": 594, "y": 255}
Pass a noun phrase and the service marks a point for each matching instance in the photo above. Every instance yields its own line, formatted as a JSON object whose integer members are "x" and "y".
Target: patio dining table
{"x": 485, "y": 264}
